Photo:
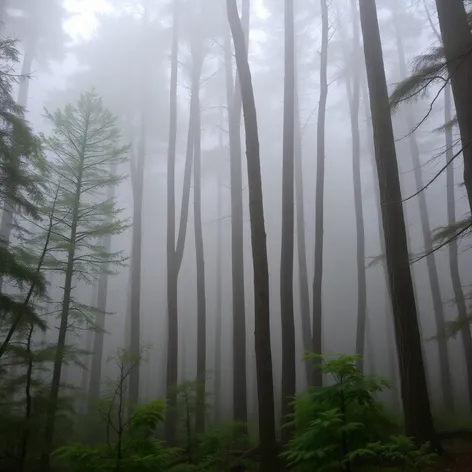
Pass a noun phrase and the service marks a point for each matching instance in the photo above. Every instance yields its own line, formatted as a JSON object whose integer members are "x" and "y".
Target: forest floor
{"x": 457, "y": 456}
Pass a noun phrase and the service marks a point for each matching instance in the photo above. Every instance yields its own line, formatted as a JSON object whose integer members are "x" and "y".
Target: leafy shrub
{"x": 341, "y": 425}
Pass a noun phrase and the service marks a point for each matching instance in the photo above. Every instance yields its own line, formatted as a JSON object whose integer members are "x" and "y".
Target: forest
{"x": 234, "y": 235}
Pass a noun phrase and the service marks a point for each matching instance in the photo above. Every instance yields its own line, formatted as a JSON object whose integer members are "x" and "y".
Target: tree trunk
{"x": 197, "y": 61}
{"x": 265, "y": 382}
{"x": 353, "y": 92}
{"x": 301, "y": 242}
{"x": 416, "y": 406}
{"x": 98, "y": 338}
{"x": 172, "y": 265}
{"x": 453, "y": 248}
{"x": 3, "y": 12}
{"x": 444, "y": 369}
{"x": 319, "y": 198}
{"x": 457, "y": 42}
{"x": 286, "y": 261}
{"x": 237, "y": 235}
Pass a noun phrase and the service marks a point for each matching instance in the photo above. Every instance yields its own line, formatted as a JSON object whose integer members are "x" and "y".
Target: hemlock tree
{"x": 85, "y": 143}
{"x": 416, "y": 406}
{"x": 265, "y": 382}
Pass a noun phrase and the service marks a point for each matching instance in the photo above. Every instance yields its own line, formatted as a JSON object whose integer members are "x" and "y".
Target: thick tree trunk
{"x": 98, "y": 338}
{"x": 237, "y": 235}
{"x": 301, "y": 242}
{"x": 444, "y": 369}
{"x": 173, "y": 264}
{"x": 319, "y": 198}
{"x": 453, "y": 248}
{"x": 288, "y": 217}
{"x": 197, "y": 59}
{"x": 457, "y": 42}
{"x": 416, "y": 406}
{"x": 265, "y": 382}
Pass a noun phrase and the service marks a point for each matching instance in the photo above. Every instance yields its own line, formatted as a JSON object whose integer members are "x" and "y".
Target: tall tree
{"x": 319, "y": 197}
{"x": 416, "y": 406}
{"x": 444, "y": 368}
{"x": 457, "y": 41}
{"x": 288, "y": 217}
{"x": 197, "y": 62}
{"x": 234, "y": 105}
{"x": 85, "y": 140}
{"x": 99, "y": 334}
{"x": 265, "y": 382}
{"x": 172, "y": 271}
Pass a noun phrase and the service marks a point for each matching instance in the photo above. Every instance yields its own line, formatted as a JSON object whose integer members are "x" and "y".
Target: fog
{"x": 122, "y": 50}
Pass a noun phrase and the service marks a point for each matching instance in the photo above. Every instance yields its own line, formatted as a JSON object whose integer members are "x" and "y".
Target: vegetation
{"x": 144, "y": 157}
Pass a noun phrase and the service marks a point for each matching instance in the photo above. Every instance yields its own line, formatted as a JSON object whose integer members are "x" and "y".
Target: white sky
{"x": 83, "y": 22}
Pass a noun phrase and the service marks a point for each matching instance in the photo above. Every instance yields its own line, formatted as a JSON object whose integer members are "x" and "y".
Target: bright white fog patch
{"x": 83, "y": 21}
{"x": 261, "y": 10}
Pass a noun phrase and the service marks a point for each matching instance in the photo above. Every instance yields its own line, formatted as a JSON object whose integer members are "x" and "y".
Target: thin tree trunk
{"x": 98, "y": 338}
{"x": 453, "y": 248}
{"x": 265, "y": 382}
{"x": 286, "y": 264}
{"x": 237, "y": 235}
{"x": 172, "y": 266}
{"x": 319, "y": 198}
{"x": 444, "y": 369}
{"x": 301, "y": 243}
{"x": 457, "y": 40}
{"x": 3, "y": 12}
{"x": 197, "y": 59}
{"x": 416, "y": 406}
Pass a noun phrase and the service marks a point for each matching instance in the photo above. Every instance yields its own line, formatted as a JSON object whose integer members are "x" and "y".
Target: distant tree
{"x": 265, "y": 385}
{"x": 234, "y": 107}
{"x": 288, "y": 217}
{"x": 319, "y": 197}
{"x": 416, "y": 407}
{"x": 86, "y": 144}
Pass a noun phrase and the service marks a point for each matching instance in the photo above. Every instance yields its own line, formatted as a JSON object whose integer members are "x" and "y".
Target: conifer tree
{"x": 86, "y": 145}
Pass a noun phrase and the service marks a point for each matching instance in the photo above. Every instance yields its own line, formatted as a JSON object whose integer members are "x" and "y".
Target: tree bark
{"x": 457, "y": 41}
{"x": 265, "y": 382}
{"x": 319, "y": 198}
{"x": 237, "y": 235}
{"x": 416, "y": 406}
{"x": 453, "y": 247}
{"x": 444, "y": 368}
{"x": 288, "y": 217}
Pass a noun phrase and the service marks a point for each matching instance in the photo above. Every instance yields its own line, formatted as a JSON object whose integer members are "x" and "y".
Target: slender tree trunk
{"x": 172, "y": 270}
{"x": 98, "y": 338}
{"x": 457, "y": 42}
{"x": 237, "y": 235}
{"x": 416, "y": 406}
{"x": 3, "y": 12}
{"x": 453, "y": 248}
{"x": 319, "y": 198}
{"x": 444, "y": 369}
{"x": 50, "y": 421}
{"x": 301, "y": 242}
{"x": 197, "y": 59}
{"x": 136, "y": 244}
{"x": 219, "y": 297}
{"x": 265, "y": 382}
{"x": 353, "y": 91}
{"x": 288, "y": 217}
